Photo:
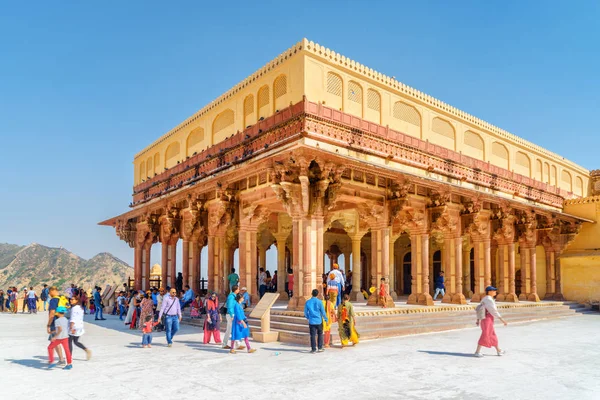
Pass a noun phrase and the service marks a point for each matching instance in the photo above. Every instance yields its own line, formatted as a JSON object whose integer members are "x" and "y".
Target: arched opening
{"x": 406, "y": 273}
{"x": 271, "y": 267}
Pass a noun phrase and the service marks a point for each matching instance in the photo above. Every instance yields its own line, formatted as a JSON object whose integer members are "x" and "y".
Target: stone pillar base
{"x": 447, "y": 298}
{"x": 357, "y": 296}
{"x": 558, "y": 297}
{"x": 533, "y": 297}
{"x": 459, "y": 298}
{"x": 412, "y": 299}
{"x": 500, "y": 297}
{"x": 297, "y": 303}
{"x": 511, "y": 298}
{"x": 470, "y": 294}
{"x": 476, "y": 298}
{"x": 394, "y": 296}
{"x": 374, "y": 300}
{"x": 265, "y": 337}
{"x": 523, "y": 297}
{"x": 425, "y": 299}
{"x": 549, "y": 296}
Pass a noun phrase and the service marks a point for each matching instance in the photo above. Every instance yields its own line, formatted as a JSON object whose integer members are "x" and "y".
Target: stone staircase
{"x": 293, "y": 327}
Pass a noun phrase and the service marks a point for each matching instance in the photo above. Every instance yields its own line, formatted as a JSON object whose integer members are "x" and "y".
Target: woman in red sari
{"x": 488, "y": 333}
{"x": 212, "y": 323}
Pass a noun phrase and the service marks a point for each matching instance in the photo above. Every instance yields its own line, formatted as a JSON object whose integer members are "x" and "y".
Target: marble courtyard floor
{"x": 546, "y": 360}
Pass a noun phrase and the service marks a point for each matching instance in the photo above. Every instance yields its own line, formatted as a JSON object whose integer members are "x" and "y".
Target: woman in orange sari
{"x": 332, "y": 317}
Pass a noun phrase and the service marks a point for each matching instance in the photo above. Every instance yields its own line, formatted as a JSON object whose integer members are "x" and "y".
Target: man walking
{"x": 439, "y": 285}
{"x": 314, "y": 312}
{"x": 172, "y": 310}
{"x": 98, "y": 304}
{"x": 44, "y": 296}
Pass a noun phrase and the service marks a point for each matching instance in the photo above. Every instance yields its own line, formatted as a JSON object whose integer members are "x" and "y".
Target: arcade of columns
{"x": 314, "y": 204}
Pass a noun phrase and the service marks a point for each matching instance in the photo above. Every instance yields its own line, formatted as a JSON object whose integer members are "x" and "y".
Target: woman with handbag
{"x": 213, "y": 319}
{"x": 487, "y": 307}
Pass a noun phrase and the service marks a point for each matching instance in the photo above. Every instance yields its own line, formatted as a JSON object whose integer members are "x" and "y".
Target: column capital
{"x": 220, "y": 216}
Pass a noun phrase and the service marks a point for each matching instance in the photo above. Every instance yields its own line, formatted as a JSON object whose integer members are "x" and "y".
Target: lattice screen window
{"x": 407, "y": 113}
{"x": 522, "y": 160}
{"x": 474, "y": 140}
{"x": 223, "y": 120}
{"x": 499, "y": 151}
{"x": 279, "y": 87}
{"x": 442, "y": 127}
{"x": 334, "y": 84}
{"x": 373, "y": 100}
{"x": 354, "y": 92}
{"x": 263, "y": 97}
{"x": 248, "y": 105}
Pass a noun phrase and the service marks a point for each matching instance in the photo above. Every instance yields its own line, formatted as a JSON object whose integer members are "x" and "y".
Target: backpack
{"x": 480, "y": 311}
{"x": 44, "y": 295}
{"x": 63, "y": 301}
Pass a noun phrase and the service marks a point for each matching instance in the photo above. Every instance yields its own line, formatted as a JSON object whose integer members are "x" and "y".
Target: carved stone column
{"x": 137, "y": 267}
{"x": 447, "y": 224}
{"x": 196, "y": 249}
{"x": 356, "y": 238}
{"x": 248, "y": 260}
{"x": 380, "y": 265}
{"x": 505, "y": 237}
{"x": 169, "y": 235}
{"x": 480, "y": 236}
{"x": 528, "y": 241}
{"x": 393, "y": 261}
{"x": 281, "y": 231}
{"x": 220, "y": 218}
{"x": 185, "y": 263}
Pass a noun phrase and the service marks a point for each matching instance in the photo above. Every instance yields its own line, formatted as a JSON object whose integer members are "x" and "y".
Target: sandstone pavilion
{"x": 317, "y": 154}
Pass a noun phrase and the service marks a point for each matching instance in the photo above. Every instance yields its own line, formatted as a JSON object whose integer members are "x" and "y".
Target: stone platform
{"x": 376, "y": 323}
{"x": 402, "y": 320}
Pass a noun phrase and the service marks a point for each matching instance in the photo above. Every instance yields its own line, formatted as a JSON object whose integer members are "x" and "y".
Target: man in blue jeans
{"x": 172, "y": 309}
{"x": 98, "y": 304}
{"x": 314, "y": 312}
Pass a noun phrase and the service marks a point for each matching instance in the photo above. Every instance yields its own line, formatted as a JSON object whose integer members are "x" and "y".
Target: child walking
{"x": 382, "y": 293}
{"x": 60, "y": 337}
{"x": 147, "y": 331}
{"x": 76, "y": 326}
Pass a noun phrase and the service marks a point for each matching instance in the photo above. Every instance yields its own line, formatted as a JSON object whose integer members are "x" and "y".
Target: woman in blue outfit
{"x": 239, "y": 327}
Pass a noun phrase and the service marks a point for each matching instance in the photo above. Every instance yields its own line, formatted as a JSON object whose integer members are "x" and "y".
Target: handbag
{"x": 163, "y": 319}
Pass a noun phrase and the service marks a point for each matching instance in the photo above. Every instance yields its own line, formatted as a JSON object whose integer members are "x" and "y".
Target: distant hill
{"x": 34, "y": 265}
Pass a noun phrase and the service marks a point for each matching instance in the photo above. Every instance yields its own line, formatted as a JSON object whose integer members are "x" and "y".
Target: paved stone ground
{"x": 545, "y": 360}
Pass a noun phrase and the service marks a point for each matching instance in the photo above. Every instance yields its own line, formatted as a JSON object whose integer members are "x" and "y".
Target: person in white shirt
{"x": 486, "y": 312}
{"x": 32, "y": 301}
{"x": 76, "y": 327}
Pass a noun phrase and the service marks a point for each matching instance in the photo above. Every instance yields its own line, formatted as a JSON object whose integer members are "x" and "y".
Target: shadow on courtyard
{"x": 36, "y": 363}
{"x": 446, "y": 353}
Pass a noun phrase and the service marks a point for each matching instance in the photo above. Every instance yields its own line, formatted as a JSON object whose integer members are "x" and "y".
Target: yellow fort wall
{"x": 580, "y": 262}
{"x": 328, "y": 77}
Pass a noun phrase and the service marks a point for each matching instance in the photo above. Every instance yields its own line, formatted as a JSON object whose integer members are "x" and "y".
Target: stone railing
{"x": 376, "y": 138}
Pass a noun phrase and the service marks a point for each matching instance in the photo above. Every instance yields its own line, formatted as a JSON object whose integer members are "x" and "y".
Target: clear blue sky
{"x": 86, "y": 85}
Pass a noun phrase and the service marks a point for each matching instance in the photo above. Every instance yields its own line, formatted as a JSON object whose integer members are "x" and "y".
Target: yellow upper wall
{"x": 272, "y": 88}
{"x": 328, "y": 77}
